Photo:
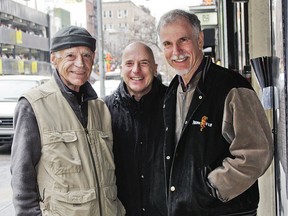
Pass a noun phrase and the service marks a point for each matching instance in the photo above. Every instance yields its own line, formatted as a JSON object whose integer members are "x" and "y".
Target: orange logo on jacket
{"x": 203, "y": 122}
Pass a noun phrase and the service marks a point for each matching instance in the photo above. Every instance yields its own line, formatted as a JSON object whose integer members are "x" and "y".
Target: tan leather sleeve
{"x": 246, "y": 128}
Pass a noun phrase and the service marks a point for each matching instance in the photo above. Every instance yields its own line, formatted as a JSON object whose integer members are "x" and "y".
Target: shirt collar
{"x": 186, "y": 87}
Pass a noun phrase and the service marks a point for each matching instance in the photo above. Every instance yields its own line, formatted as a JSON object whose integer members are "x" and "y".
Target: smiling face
{"x": 182, "y": 46}
{"x": 74, "y": 65}
{"x": 138, "y": 69}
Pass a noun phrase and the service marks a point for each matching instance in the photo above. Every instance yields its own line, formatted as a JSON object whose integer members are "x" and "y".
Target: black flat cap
{"x": 72, "y": 36}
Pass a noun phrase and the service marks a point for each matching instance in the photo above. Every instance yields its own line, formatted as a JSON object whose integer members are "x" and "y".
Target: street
{"x": 6, "y": 207}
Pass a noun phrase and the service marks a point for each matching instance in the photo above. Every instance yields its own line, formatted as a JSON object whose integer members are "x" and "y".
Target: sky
{"x": 159, "y": 7}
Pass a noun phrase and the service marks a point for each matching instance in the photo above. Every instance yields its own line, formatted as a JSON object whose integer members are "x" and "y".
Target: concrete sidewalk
{"x": 6, "y": 207}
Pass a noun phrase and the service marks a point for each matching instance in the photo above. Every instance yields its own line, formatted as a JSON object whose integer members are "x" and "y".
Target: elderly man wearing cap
{"x": 62, "y": 161}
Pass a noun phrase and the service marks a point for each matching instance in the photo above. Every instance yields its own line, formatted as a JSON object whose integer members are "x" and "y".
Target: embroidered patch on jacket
{"x": 203, "y": 123}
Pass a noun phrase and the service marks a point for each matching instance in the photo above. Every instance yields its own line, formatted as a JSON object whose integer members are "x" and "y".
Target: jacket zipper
{"x": 93, "y": 160}
{"x": 94, "y": 166}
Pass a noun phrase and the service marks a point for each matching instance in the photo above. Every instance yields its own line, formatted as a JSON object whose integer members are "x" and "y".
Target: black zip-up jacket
{"x": 138, "y": 132}
{"x": 226, "y": 142}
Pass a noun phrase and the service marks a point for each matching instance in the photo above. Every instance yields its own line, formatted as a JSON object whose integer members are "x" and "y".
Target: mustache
{"x": 178, "y": 57}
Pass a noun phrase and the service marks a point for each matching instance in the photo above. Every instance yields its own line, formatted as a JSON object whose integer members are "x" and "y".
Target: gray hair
{"x": 174, "y": 15}
{"x": 57, "y": 54}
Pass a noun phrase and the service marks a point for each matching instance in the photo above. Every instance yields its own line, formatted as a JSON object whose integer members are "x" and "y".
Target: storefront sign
{"x": 208, "y": 19}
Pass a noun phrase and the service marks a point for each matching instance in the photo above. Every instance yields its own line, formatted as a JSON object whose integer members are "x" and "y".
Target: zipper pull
{"x": 88, "y": 135}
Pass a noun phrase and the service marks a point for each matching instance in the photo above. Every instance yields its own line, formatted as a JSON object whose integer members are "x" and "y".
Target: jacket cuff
{"x": 212, "y": 191}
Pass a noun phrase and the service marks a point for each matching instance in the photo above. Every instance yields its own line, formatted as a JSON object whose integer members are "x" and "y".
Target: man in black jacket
{"x": 218, "y": 141}
{"x": 138, "y": 128}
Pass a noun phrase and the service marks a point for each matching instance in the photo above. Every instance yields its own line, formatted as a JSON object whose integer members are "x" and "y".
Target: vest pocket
{"x": 103, "y": 148}
{"x": 60, "y": 152}
{"x": 113, "y": 206}
{"x": 74, "y": 203}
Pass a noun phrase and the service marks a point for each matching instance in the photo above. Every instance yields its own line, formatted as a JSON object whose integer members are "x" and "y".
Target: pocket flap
{"x": 104, "y": 135}
{"x": 76, "y": 197}
{"x": 110, "y": 192}
{"x": 56, "y": 136}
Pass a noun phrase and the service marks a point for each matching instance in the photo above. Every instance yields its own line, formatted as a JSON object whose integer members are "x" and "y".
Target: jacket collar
{"x": 122, "y": 96}
{"x": 199, "y": 70}
{"x": 87, "y": 91}
{"x": 205, "y": 65}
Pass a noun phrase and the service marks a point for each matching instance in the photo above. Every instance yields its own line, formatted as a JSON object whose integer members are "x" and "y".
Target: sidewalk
{"x": 6, "y": 207}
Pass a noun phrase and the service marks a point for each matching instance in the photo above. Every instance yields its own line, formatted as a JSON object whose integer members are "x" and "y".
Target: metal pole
{"x": 238, "y": 20}
{"x": 223, "y": 35}
{"x": 240, "y": 23}
{"x": 100, "y": 47}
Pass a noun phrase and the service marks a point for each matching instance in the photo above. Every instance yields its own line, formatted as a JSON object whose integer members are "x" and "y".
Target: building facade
{"x": 24, "y": 39}
{"x": 125, "y": 22}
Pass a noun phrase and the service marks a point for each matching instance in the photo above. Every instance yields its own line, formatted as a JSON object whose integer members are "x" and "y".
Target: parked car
{"x": 11, "y": 88}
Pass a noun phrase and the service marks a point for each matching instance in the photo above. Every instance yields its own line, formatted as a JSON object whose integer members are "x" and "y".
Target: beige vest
{"x": 76, "y": 170}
